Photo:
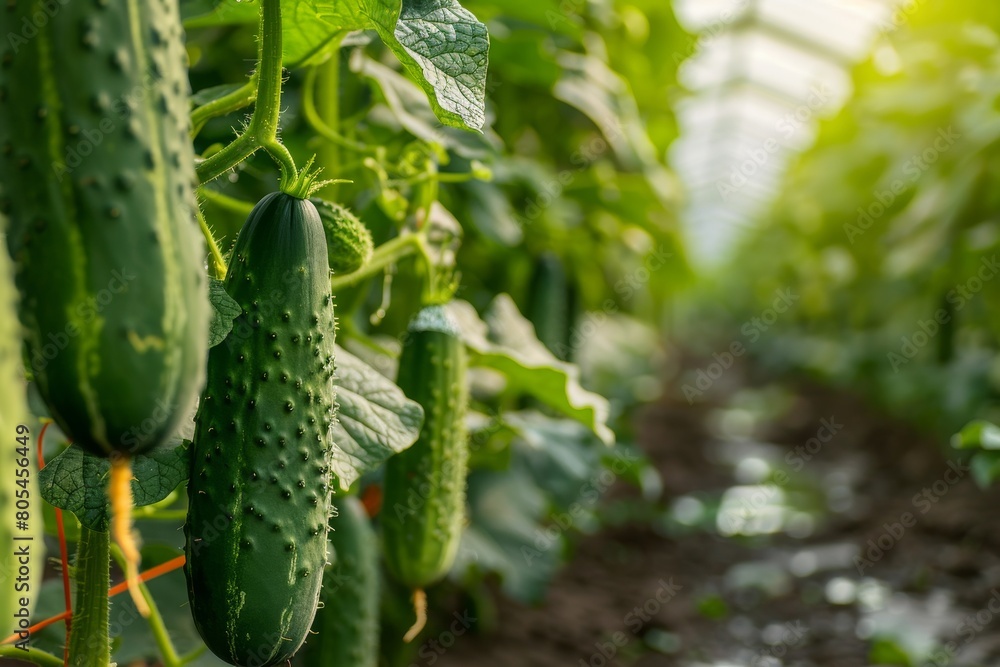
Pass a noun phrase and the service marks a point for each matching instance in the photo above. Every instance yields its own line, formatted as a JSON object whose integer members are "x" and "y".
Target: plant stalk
{"x": 89, "y": 645}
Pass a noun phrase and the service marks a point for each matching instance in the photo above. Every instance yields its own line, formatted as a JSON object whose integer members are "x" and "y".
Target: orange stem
{"x": 120, "y": 492}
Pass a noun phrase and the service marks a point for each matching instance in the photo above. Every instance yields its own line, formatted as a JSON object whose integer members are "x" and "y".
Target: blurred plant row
{"x": 886, "y": 231}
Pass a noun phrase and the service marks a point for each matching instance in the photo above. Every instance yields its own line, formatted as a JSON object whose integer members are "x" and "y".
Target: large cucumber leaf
{"x": 506, "y": 342}
{"x": 77, "y": 481}
{"x": 375, "y": 419}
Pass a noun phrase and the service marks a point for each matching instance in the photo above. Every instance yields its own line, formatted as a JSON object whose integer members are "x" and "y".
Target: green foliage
{"x": 561, "y": 163}
{"x": 884, "y": 229}
{"x": 76, "y": 481}
{"x": 449, "y": 65}
{"x": 375, "y": 419}
{"x": 504, "y": 341}
{"x": 224, "y": 311}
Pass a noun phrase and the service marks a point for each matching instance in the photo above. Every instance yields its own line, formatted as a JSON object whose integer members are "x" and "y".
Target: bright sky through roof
{"x": 764, "y": 73}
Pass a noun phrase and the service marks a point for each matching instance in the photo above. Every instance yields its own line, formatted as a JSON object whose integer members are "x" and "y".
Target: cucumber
{"x": 96, "y": 176}
{"x": 423, "y": 510}
{"x": 19, "y": 474}
{"x": 259, "y": 492}
{"x": 349, "y": 241}
{"x": 347, "y": 623}
{"x": 551, "y": 304}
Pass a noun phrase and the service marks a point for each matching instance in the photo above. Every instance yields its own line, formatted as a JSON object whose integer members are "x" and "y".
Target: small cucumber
{"x": 259, "y": 493}
{"x": 552, "y": 305}
{"x": 349, "y": 241}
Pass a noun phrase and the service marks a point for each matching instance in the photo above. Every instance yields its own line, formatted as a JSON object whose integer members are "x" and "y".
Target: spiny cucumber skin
{"x": 259, "y": 492}
{"x": 349, "y": 241}
{"x": 424, "y": 504}
{"x": 347, "y": 623}
{"x": 96, "y": 175}
{"x": 14, "y": 411}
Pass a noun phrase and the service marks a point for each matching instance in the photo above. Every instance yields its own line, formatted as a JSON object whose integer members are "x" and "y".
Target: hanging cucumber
{"x": 551, "y": 304}
{"x": 22, "y": 549}
{"x": 347, "y": 623}
{"x": 96, "y": 176}
{"x": 424, "y": 505}
{"x": 259, "y": 495}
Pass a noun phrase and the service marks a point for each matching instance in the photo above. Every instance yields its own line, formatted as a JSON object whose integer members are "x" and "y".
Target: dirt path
{"x": 662, "y": 593}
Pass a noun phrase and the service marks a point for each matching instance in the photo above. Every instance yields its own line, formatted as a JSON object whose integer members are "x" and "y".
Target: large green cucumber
{"x": 259, "y": 495}
{"x": 22, "y": 549}
{"x": 424, "y": 505}
{"x": 96, "y": 175}
{"x": 347, "y": 623}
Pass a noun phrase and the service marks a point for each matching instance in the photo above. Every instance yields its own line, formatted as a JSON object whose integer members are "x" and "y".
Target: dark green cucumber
{"x": 550, "y": 304}
{"x": 259, "y": 495}
{"x": 347, "y": 623}
{"x": 424, "y": 505}
{"x": 96, "y": 176}
{"x": 349, "y": 241}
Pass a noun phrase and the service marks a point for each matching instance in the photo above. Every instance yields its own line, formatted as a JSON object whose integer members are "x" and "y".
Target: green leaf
{"x": 410, "y": 109}
{"x": 506, "y": 342}
{"x": 77, "y": 481}
{"x": 225, "y": 310}
{"x": 444, "y": 48}
{"x": 985, "y": 467}
{"x": 206, "y": 95}
{"x": 507, "y": 533}
{"x": 374, "y": 421}
{"x": 977, "y": 435}
{"x": 440, "y": 44}
{"x": 211, "y": 13}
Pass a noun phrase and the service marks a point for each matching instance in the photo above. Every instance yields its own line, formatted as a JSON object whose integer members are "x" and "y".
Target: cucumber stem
{"x": 218, "y": 263}
{"x": 388, "y": 253}
{"x": 89, "y": 645}
{"x": 420, "y": 609}
{"x": 320, "y": 119}
{"x": 234, "y": 101}
{"x": 262, "y": 131}
{"x": 120, "y": 493}
{"x": 264, "y": 122}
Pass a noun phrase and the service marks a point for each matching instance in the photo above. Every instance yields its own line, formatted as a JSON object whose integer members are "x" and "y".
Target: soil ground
{"x": 795, "y": 596}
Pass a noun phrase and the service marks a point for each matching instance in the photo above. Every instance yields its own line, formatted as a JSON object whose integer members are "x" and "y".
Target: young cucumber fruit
{"x": 423, "y": 509}
{"x": 96, "y": 175}
{"x": 347, "y": 623}
{"x": 259, "y": 497}
{"x": 349, "y": 241}
{"x": 18, "y": 489}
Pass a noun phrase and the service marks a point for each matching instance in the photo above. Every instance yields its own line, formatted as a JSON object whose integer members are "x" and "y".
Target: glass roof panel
{"x": 764, "y": 73}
